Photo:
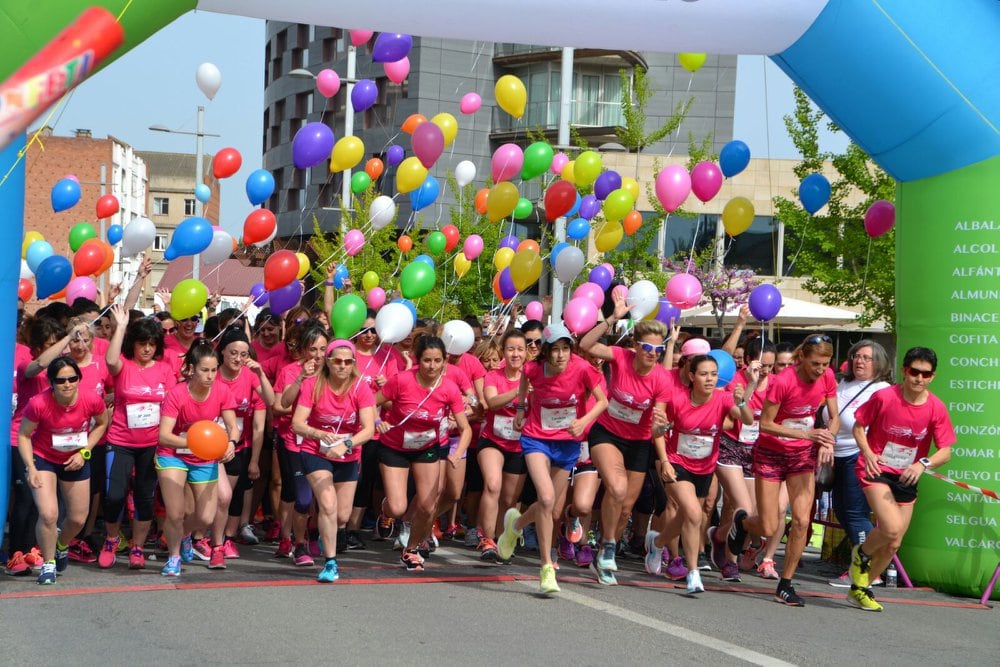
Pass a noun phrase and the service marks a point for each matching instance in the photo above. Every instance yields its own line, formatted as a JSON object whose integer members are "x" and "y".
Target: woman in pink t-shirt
{"x": 335, "y": 416}
{"x": 59, "y": 428}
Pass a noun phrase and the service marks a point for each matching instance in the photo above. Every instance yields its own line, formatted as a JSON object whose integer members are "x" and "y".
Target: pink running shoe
{"x": 230, "y": 550}
{"x": 284, "y": 548}
{"x": 218, "y": 559}
{"x": 203, "y": 549}
{"x": 766, "y": 569}
{"x": 136, "y": 559}
{"x": 273, "y": 533}
{"x": 301, "y": 556}
{"x": 108, "y": 555}
{"x": 80, "y": 552}
{"x": 584, "y": 556}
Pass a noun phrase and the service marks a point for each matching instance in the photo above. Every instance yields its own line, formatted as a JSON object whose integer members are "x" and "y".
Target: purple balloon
{"x": 589, "y": 207}
{"x": 390, "y": 47}
{"x": 668, "y": 313}
{"x": 312, "y": 144}
{"x": 364, "y": 94}
{"x": 509, "y": 242}
{"x": 765, "y": 302}
{"x": 507, "y": 289}
{"x": 285, "y": 298}
{"x": 394, "y": 155}
{"x": 259, "y": 295}
{"x": 600, "y": 276}
{"x": 606, "y": 183}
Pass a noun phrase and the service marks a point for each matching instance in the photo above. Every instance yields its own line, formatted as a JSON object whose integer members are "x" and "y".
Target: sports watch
{"x": 926, "y": 463}
{"x": 85, "y": 454}
{"x": 349, "y": 444}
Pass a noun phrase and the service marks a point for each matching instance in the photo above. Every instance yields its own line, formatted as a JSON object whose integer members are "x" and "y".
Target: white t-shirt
{"x": 849, "y": 391}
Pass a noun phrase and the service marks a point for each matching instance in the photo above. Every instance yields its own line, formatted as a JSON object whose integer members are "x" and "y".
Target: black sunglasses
{"x": 366, "y": 331}
{"x": 916, "y": 372}
{"x": 818, "y": 338}
{"x": 170, "y": 330}
{"x": 193, "y": 318}
{"x": 67, "y": 380}
{"x": 533, "y": 342}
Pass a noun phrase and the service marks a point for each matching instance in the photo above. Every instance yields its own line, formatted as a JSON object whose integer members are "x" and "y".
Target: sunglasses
{"x": 655, "y": 349}
{"x": 193, "y": 318}
{"x": 533, "y": 342}
{"x": 916, "y": 372}
{"x": 819, "y": 338}
{"x": 67, "y": 380}
{"x": 340, "y": 362}
{"x": 170, "y": 330}
{"x": 367, "y": 331}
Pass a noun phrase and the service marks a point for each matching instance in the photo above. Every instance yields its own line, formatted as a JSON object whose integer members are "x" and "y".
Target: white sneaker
{"x": 403, "y": 537}
{"x": 694, "y": 584}
{"x": 654, "y": 556}
{"x": 247, "y": 536}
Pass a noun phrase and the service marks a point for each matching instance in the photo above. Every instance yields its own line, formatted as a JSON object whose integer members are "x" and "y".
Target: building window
{"x": 160, "y": 242}
{"x": 161, "y": 206}
{"x": 189, "y": 206}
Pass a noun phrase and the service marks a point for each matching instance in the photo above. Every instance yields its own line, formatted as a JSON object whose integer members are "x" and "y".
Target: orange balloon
{"x": 632, "y": 222}
{"x": 207, "y": 440}
{"x": 374, "y": 168}
{"x": 412, "y": 122}
{"x": 109, "y": 257}
{"x": 481, "y": 197}
{"x": 529, "y": 244}
{"x": 405, "y": 243}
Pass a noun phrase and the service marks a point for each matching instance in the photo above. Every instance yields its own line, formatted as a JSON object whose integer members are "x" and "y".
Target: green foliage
{"x": 635, "y": 97}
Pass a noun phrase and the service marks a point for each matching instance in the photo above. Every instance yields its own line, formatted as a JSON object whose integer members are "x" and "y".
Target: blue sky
{"x": 154, "y": 84}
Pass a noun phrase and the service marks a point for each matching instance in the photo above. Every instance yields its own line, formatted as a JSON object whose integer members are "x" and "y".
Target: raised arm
{"x": 590, "y": 343}
{"x": 114, "y": 353}
{"x": 737, "y": 332}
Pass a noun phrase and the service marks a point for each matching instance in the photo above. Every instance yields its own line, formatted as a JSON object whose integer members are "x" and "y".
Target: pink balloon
{"x": 673, "y": 185}
{"x": 507, "y": 162}
{"x": 72, "y": 177}
{"x": 580, "y": 315}
{"x": 473, "y": 246}
{"x": 611, "y": 269}
{"x": 470, "y": 103}
{"x": 354, "y": 241}
{"x": 328, "y": 83}
{"x": 706, "y": 180}
{"x": 683, "y": 291}
{"x": 398, "y": 71}
{"x": 590, "y": 291}
{"x": 82, "y": 286}
{"x": 376, "y": 298}
{"x": 534, "y": 311}
{"x": 428, "y": 143}
{"x": 359, "y": 37}
{"x": 880, "y": 218}
{"x": 620, "y": 290}
{"x": 559, "y": 161}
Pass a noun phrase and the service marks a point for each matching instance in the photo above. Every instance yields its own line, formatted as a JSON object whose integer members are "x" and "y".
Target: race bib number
{"x": 69, "y": 442}
{"x": 748, "y": 434}
{"x": 694, "y": 446}
{"x": 142, "y": 415}
{"x": 801, "y": 424}
{"x": 557, "y": 419}
{"x": 503, "y": 427}
{"x": 623, "y": 413}
{"x": 899, "y": 456}
{"x": 419, "y": 439}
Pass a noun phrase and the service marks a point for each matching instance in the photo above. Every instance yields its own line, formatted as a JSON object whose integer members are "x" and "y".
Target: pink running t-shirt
{"x": 335, "y": 414}
{"x": 61, "y": 430}
{"x": 797, "y": 402}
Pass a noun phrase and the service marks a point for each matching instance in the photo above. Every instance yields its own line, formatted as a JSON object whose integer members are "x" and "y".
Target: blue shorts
{"x": 563, "y": 453}
{"x": 59, "y": 470}
{"x": 196, "y": 473}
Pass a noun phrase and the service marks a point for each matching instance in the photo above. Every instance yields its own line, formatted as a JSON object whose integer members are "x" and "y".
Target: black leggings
{"x": 119, "y": 464}
{"x": 369, "y": 475}
{"x": 237, "y": 468}
{"x": 294, "y": 485}
{"x": 23, "y": 513}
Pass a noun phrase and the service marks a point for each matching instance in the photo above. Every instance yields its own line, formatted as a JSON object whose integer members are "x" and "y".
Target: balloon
{"x": 631, "y": 186}
{"x": 226, "y": 163}
{"x": 617, "y": 205}
{"x": 534, "y": 311}
{"x": 202, "y": 193}
{"x": 428, "y": 143}
{"x": 285, "y": 298}
{"x": 706, "y": 180}
{"x": 569, "y": 263}
{"x": 360, "y": 181}
{"x": 559, "y": 197}
{"x": 37, "y": 253}
{"x": 578, "y": 229}
{"x": 765, "y": 302}
{"x": 426, "y": 194}
{"x": 209, "y": 80}
{"x": 410, "y": 175}
{"x": 559, "y": 160}
{"x": 348, "y": 315}
{"x": 880, "y": 218}
{"x": 458, "y": 337}
{"x": 115, "y": 233}
{"x": 528, "y": 244}
{"x": 608, "y": 236}
{"x": 369, "y": 280}
{"x": 280, "y": 269}
{"x": 397, "y": 71}
{"x": 668, "y": 313}
{"x": 347, "y": 152}
{"x": 507, "y": 162}
{"x": 405, "y": 243}
{"x": 364, "y": 94}
{"x": 416, "y": 280}
{"x": 340, "y": 276}
{"x": 632, "y": 222}
{"x": 448, "y": 125}
{"x": 502, "y": 258}
{"x": 394, "y": 155}
{"x": 219, "y": 249}
{"x": 501, "y": 201}
{"x": 465, "y": 173}
{"x": 107, "y": 206}
{"x": 190, "y": 237}
{"x": 509, "y": 242}
{"x": 187, "y": 299}
{"x": 567, "y": 172}
{"x": 394, "y": 322}
{"x": 354, "y": 241}
{"x": 814, "y": 192}
{"x": 376, "y": 298}
{"x": 374, "y": 168}
{"x": 505, "y": 284}
{"x": 52, "y": 275}
{"x": 24, "y": 289}
{"x": 137, "y": 236}
{"x": 258, "y": 226}
{"x": 525, "y": 269}
{"x": 590, "y": 291}
{"x": 683, "y": 290}
{"x": 359, "y": 37}
{"x": 606, "y": 183}
{"x": 575, "y": 207}
{"x": 589, "y": 207}
{"x": 207, "y": 440}
{"x": 692, "y": 62}
{"x": 79, "y": 233}
{"x": 258, "y": 294}
{"x": 737, "y": 215}
{"x": 537, "y": 159}
{"x": 523, "y": 209}
{"x": 580, "y": 315}
{"x": 391, "y": 47}
{"x": 451, "y": 235}
{"x": 461, "y": 264}
{"x": 470, "y": 103}
{"x": 734, "y": 158}
{"x": 482, "y": 197}
{"x": 26, "y": 271}
{"x": 65, "y": 194}
{"x": 511, "y": 95}
{"x": 29, "y": 238}
{"x": 436, "y": 242}
{"x": 412, "y": 122}
{"x": 673, "y": 185}
{"x": 81, "y": 287}
{"x": 328, "y": 82}
{"x": 473, "y": 246}
{"x": 600, "y": 276}
{"x": 726, "y": 364}
{"x": 381, "y": 211}
{"x": 643, "y": 298}
{"x": 556, "y": 249}
{"x": 586, "y": 168}
{"x": 311, "y": 145}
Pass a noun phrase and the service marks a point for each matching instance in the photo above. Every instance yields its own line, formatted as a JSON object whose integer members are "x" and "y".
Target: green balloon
{"x": 348, "y": 315}
{"x": 81, "y": 231}
{"x": 537, "y": 159}
{"x": 417, "y": 279}
{"x": 360, "y": 182}
{"x": 436, "y": 242}
{"x": 523, "y": 209}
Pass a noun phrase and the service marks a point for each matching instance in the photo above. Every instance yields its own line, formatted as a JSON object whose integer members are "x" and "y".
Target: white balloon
{"x": 394, "y": 322}
{"x": 209, "y": 79}
{"x": 381, "y": 211}
{"x": 26, "y": 271}
{"x": 458, "y": 337}
{"x": 643, "y": 297}
{"x": 219, "y": 249}
{"x": 137, "y": 236}
{"x": 569, "y": 263}
{"x": 465, "y": 173}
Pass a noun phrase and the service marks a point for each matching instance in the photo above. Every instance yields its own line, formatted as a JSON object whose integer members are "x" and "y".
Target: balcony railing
{"x": 508, "y": 49}
{"x": 545, "y": 114}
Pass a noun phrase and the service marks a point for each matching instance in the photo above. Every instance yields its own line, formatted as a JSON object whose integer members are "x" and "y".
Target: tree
{"x": 722, "y": 287}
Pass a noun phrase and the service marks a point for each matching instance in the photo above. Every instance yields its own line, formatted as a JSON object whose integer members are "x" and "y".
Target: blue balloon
{"x": 52, "y": 275}
{"x": 426, "y": 194}
{"x": 426, "y": 259}
{"x": 260, "y": 186}
{"x": 202, "y": 193}
{"x": 577, "y": 229}
{"x": 814, "y": 192}
{"x": 734, "y": 158}
{"x": 575, "y": 207}
{"x": 727, "y": 367}
{"x": 394, "y": 155}
{"x": 65, "y": 194}
{"x": 340, "y": 275}
{"x": 556, "y": 249}
{"x": 115, "y": 233}
{"x": 191, "y": 237}
{"x": 408, "y": 304}
{"x": 37, "y": 253}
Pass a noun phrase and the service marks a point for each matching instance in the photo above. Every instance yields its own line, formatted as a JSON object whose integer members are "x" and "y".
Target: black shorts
{"x": 98, "y": 468}
{"x": 736, "y": 454}
{"x": 473, "y": 473}
{"x": 635, "y": 453}
{"x": 63, "y": 475}
{"x": 237, "y": 466}
{"x": 702, "y": 483}
{"x": 341, "y": 471}
{"x": 903, "y": 494}
{"x": 394, "y": 458}
{"x": 513, "y": 462}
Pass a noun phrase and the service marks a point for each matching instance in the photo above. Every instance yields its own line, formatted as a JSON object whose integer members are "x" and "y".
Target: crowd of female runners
{"x": 528, "y": 429}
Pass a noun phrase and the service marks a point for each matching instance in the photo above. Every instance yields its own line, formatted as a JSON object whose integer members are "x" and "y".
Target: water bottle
{"x": 890, "y": 576}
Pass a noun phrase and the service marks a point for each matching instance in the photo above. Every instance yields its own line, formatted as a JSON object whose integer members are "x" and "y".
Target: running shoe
{"x": 703, "y": 563}
{"x": 229, "y": 549}
{"x": 567, "y": 550}
{"x": 424, "y": 549}
{"x": 786, "y": 595}
{"x": 247, "y": 536}
{"x": 767, "y": 570}
{"x": 172, "y": 568}
{"x": 606, "y": 557}
{"x": 273, "y": 533}
{"x": 547, "y": 580}
{"x": 572, "y": 528}
{"x": 62, "y": 559}
{"x": 80, "y": 552}
{"x": 383, "y": 528}
{"x": 16, "y": 566}
{"x": 108, "y": 554}
{"x": 218, "y": 558}
{"x": 604, "y": 577}
{"x": 187, "y": 548}
{"x": 738, "y": 532}
{"x": 863, "y": 599}
{"x": 488, "y": 551}
{"x": 654, "y": 556}
{"x": 472, "y": 536}
{"x": 748, "y": 559}
{"x": 730, "y": 571}
{"x": 284, "y": 548}
{"x": 136, "y": 559}
{"x": 432, "y": 544}
{"x": 694, "y": 585}
{"x": 354, "y": 541}
{"x": 34, "y": 559}
{"x": 403, "y": 537}
{"x": 718, "y": 549}
{"x": 123, "y": 543}
{"x": 859, "y": 568}
{"x": 48, "y": 574}
{"x": 330, "y": 572}
{"x": 530, "y": 538}
{"x": 677, "y": 571}
{"x": 203, "y": 549}
{"x": 510, "y": 536}
{"x": 584, "y": 556}
{"x": 301, "y": 556}
{"x": 412, "y": 561}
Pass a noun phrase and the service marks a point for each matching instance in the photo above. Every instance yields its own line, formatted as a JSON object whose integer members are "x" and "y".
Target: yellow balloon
{"x": 503, "y": 257}
{"x": 631, "y": 186}
{"x": 303, "y": 265}
{"x": 525, "y": 269}
{"x": 501, "y": 201}
{"x": 448, "y": 125}
{"x": 410, "y": 175}
{"x": 652, "y": 315}
{"x": 30, "y": 238}
{"x": 511, "y": 95}
{"x": 462, "y": 264}
{"x": 567, "y": 172}
{"x": 347, "y": 152}
{"x": 737, "y": 216}
{"x": 692, "y": 62}
{"x": 369, "y": 280}
{"x": 587, "y": 167}
{"x": 609, "y": 236}
{"x": 617, "y": 204}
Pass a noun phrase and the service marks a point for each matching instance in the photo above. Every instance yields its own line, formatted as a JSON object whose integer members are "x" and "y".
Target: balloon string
{"x": 864, "y": 281}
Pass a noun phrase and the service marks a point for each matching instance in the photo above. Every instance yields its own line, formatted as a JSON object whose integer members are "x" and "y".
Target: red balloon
{"x": 226, "y": 163}
{"x": 89, "y": 259}
{"x": 207, "y": 440}
{"x": 405, "y": 243}
{"x": 374, "y": 168}
{"x": 559, "y": 199}
{"x": 107, "y": 206}
{"x": 280, "y": 269}
{"x": 258, "y": 226}
{"x": 25, "y": 289}
{"x": 451, "y": 235}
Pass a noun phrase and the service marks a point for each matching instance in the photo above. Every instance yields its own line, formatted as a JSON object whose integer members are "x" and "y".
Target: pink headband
{"x": 694, "y": 347}
{"x": 340, "y": 342}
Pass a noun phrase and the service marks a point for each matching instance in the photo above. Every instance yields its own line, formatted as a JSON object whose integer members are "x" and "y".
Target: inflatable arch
{"x": 913, "y": 83}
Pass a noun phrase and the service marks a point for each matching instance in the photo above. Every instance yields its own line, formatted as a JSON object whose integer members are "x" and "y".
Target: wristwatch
{"x": 926, "y": 463}
{"x": 85, "y": 454}
{"x": 349, "y": 444}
